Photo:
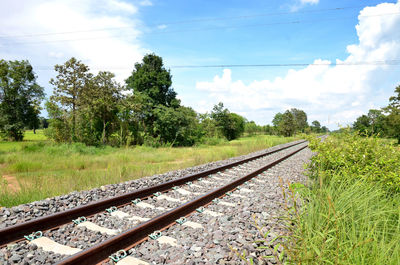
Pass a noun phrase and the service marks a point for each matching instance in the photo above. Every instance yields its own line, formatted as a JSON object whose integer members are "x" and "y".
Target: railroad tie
{"x": 49, "y": 245}
{"x": 129, "y": 260}
{"x": 168, "y": 198}
{"x": 94, "y": 227}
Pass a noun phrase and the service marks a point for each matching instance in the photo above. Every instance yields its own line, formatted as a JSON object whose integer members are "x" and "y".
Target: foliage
{"x": 294, "y": 121}
{"x": 83, "y": 107}
{"x": 251, "y": 128}
{"x": 372, "y": 124}
{"x": 393, "y": 118}
{"x": 70, "y": 86}
{"x": 277, "y": 119}
{"x": 384, "y": 122}
{"x": 59, "y": 129}
{"x": 351, "y": 212}
{"x": 209, "y": 127}
{"x": 287, "y": 125}
{"x": 348, "y": 156}
{"x": 300, "y": 119}
{"x": 96, "y": 110}
{"x": 177, "y": 126}
{"x": 230, "y": 124}
{"x": 20, "y": 98}
{"x": 316, "y": 126}
{"x": 101, "y": 107}
{"x": 151, "y": 78}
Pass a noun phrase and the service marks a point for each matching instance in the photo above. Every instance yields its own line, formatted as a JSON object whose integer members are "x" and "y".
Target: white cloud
{"x": 338, "y": 93}
{"x": 146, "y": 3}
{"x": 56, "y": 54}
{"x": 163, "y": 26}
{"x": 118, "y": 6}
{"x": 312, "y": 2}
{"x": 115, "y": 49}
{"x": 302, "y": 3}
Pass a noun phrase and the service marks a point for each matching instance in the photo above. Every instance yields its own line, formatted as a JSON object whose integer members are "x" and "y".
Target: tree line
{"x": 384, "y": 122}
{"x": 97, "y": 110}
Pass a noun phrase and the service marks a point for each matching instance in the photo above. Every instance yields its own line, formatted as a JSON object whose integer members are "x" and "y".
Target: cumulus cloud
{"x": 335, "y": 92}
{"x": 102, "y": 33}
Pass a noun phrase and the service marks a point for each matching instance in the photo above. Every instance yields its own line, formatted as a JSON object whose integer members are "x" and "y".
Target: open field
{"x": 42, "y": 169}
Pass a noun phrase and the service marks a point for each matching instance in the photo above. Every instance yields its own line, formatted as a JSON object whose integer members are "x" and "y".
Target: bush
{"x": 348, "y": 156}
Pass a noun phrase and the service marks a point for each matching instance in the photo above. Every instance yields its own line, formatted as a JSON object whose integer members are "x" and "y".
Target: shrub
{"x": 348, "y": 156}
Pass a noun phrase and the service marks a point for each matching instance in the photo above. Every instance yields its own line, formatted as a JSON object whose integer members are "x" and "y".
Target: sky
{"x": 333, "y": 59}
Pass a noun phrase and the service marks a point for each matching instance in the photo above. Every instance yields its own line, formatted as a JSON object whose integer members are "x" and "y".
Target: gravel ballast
{"x": 22, "y": 253}
{"x": 236, "y": 227}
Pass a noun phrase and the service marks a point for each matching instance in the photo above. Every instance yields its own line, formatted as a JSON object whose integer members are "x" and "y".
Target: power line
{"x": 184, "y": 22}
{"x": 205, "y": 29}
{"x": 394, "y": 62}
{"x": 387, "y": 62}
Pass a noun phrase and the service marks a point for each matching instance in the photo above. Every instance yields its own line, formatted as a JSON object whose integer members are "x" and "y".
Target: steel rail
{"x": 17, "y": 232}
{"x": 100, "y": 252}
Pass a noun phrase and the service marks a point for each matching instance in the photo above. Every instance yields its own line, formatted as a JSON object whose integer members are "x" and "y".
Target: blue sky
{"x": 114, "y": 34}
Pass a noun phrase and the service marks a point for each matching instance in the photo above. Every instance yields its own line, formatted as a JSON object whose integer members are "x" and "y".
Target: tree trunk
{"x": 104, "y": 132}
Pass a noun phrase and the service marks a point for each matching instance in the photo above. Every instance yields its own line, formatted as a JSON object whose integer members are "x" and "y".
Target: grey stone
{"x": 195, "y": 248}
{"x": 15, "y": 258}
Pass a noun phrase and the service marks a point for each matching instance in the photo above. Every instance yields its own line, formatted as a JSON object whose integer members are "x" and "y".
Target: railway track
{"x": 113, "y": 226}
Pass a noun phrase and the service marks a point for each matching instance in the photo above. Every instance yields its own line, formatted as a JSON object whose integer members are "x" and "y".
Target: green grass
{"x": 44, "y": 169}
{"x": 38, "y": 136}
{"x": 345, "y": 223}
{"x": 351, "y": 212}
{"x": 29, "y": 139}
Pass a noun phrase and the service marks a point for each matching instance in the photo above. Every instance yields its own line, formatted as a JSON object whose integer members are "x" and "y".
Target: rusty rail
{"x": 137, "y": 234}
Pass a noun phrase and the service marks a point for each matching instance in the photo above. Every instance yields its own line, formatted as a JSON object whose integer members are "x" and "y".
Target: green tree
{"x": 70, "y": 83}
{"x": 151, "y": 84}
{"x": 277, "y": 119}
{"x": 373, "y": 123}
{"x": 179, "y": 127}
{"x": 230, "y": 124}
{"x": 44, "y": 123}
{"x": 130, "y": 123}
{"x": 251, "y": 127}
{"x": 393, "y": 117}
{"x": 268, "y": 129}
{"x": 59, "y": 128}
{"x": 20, "y": 98}
{"x": 300, "y": 119}
{"x": 287, "y": 126}
{"x": 151, "y": 78}
{"x": 101, "y": 101}
{"x": 324, "y": 129}
{"x": 33, "y": 122}
{"x": 234, "y": 126}
{"x": 377, "y": 121}
{"x": 316, "y": 126}
{"x": 209, "y": 126}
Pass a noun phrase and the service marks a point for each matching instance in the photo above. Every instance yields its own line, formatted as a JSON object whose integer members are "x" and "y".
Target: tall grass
{"x": 44, "y": 169}
{"x": 351, "y": 213}
{"x": 345, "y": 223}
